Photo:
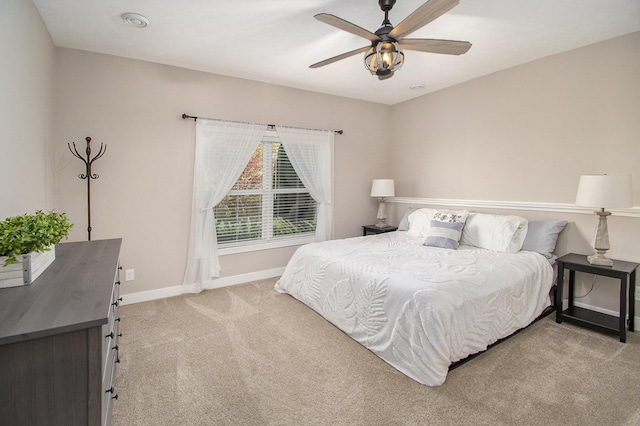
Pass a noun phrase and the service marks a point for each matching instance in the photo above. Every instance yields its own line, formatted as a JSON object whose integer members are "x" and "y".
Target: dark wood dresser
{"x": 59, "y": 340}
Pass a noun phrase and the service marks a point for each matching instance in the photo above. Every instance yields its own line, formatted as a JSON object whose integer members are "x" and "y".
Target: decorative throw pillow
{"x": 446, "y": 229}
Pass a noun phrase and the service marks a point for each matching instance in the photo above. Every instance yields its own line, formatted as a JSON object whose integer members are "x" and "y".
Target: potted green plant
{"x": 27, "y": 245}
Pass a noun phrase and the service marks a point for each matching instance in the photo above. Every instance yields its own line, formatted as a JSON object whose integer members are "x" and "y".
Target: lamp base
{"x": 599, "y": 259}
{"x": 381, "y": 220}
{"x": 601, "y": 241}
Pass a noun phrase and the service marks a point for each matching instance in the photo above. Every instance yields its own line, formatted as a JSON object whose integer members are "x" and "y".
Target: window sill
{"x": 222, "y": 251}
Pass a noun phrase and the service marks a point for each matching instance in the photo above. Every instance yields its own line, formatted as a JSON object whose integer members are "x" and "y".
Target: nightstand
{"x": 624, "y": 271}
{"x": 372, "y": 229}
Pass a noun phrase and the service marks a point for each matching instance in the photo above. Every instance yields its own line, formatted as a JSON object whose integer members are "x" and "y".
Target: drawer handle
{"x": 109, "y": 335}
{"x": 117, "y": 282}
{"x": 117, "y": 302}
{"x": 117, "y": 319}
{"x": 117, "y": 361}
{"x": 112, "y": 390}
{"x": 120, "y": 268}
{"x": 119, "y": 334}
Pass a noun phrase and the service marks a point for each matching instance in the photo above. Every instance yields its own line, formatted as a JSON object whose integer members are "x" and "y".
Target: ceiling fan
{"x": 384, "y": 56}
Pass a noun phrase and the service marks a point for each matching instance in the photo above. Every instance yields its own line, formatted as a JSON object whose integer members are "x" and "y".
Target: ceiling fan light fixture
{"x": 384, "y": 58}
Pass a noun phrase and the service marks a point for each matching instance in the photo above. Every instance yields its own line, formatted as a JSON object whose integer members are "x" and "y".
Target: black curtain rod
{"x": 271, "y": 126}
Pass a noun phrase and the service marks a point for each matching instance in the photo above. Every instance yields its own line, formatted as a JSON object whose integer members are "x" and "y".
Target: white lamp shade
{"x": 382, "y": 188}
{"x": 605, "y": 191}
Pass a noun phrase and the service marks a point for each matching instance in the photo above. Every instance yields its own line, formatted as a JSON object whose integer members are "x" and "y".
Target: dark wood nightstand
{"x": 624, "y": 271}
{"x": 372, "y": 229}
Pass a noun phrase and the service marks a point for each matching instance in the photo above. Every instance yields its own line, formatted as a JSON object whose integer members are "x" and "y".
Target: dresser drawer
{"x": 110, "y": 331}
{"x": 110, "y": 351}
{"x": 109, "y": 393}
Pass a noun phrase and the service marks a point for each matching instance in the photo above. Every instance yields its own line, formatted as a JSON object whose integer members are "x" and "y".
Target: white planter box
{"x": 28, "y": 268}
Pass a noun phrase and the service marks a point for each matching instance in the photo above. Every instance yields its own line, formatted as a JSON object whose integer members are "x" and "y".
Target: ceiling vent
{"x": 135, "y": 20}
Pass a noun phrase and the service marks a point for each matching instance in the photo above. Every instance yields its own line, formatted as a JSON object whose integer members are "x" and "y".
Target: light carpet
{"x": 247, "y": 355}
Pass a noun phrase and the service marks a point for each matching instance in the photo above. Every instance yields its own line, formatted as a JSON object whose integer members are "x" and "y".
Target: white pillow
{"x": 420, "y": 222}
{"x": 504, "y": 233}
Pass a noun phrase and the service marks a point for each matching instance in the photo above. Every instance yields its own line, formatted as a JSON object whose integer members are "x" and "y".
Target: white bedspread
{"x": 419, "y": 308}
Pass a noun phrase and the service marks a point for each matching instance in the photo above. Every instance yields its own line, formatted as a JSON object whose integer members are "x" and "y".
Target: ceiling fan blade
{"x": 339, "y": 57}
{"x": 346, "y": 26}
{"x": 420, "y": 17}
{"x": 447, "y": 47}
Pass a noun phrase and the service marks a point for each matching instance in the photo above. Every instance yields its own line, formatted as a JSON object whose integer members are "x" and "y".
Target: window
{"x": 267, "y": 203}
{"x": 267, "y": 207}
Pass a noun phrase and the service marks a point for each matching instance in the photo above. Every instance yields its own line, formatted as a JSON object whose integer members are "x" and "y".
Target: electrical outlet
{"x": 638, "y": 293}
{"x": 128, "y": 275}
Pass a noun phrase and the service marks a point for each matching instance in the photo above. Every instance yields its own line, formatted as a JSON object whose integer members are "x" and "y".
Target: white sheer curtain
{"x": 311, "y": 154}
{"x": 223, "y": 150}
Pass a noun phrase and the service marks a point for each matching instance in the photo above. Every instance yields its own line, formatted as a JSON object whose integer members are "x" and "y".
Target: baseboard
{"x": 145, "y": 296}
{"x": 161, "y": 293}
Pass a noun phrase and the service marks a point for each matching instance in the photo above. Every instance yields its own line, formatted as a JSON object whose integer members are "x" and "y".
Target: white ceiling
{"x": 275, "y": 41}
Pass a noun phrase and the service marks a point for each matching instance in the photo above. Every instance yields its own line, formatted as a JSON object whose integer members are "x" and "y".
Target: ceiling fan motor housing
{"x": 386, "y": 5}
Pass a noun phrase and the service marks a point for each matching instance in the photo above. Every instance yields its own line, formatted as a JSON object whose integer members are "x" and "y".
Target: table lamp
{"x": 603, "y": 191}
{"x": 381, "y": 189}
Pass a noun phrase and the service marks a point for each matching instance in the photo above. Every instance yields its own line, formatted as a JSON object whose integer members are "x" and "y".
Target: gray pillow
{"x": 542, "y": 236}
{"x": 404, "y": 223}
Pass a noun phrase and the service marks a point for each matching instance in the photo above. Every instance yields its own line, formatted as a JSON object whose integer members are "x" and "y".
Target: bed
{"x": 421, "y": 307}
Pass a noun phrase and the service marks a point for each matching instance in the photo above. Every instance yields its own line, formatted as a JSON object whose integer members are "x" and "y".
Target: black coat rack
{"x": 88, "y": 175}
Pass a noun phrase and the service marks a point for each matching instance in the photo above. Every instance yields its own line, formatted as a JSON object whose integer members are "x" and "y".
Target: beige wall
{"x": 144, "y": 191}
{"x": 527, "y": 134}
{"x": 26, "y": 113}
